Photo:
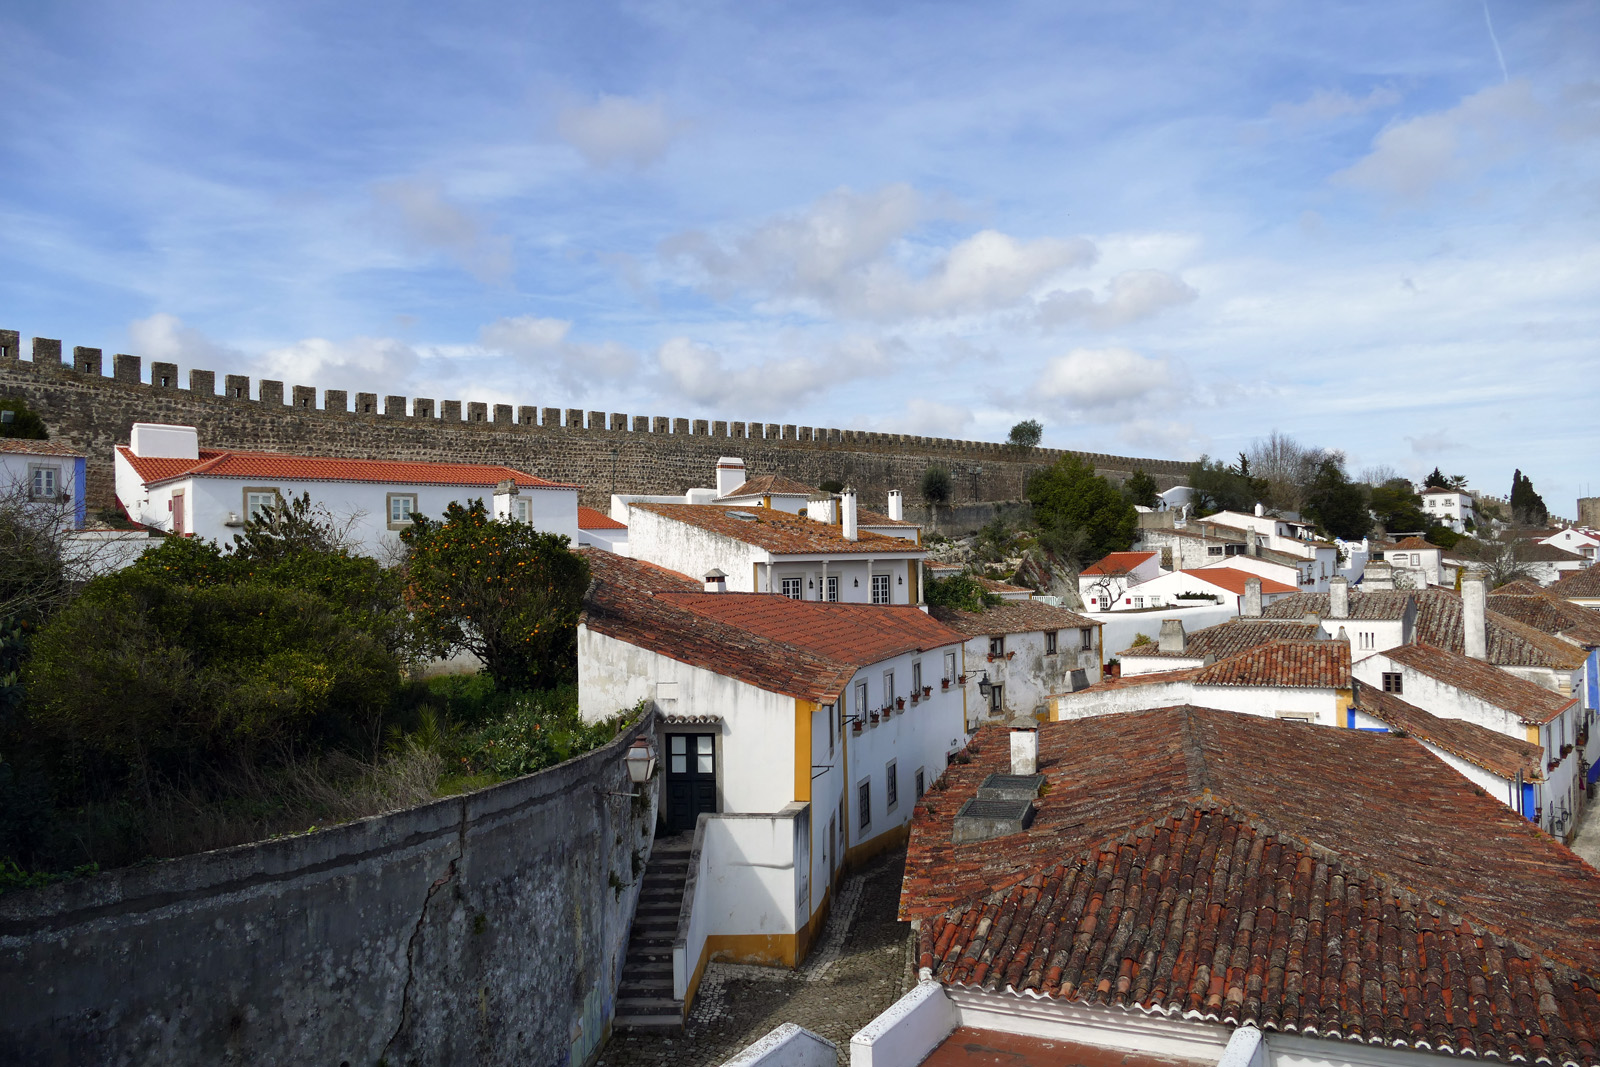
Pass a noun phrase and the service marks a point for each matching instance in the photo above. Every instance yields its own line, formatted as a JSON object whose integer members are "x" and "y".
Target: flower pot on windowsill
{"x": 914, "y": 698}
{"x": 961, "y": 679}
{"x": 1011, "y": 655}
{"x": 855, "y": 727}
{"x": 991, "y": 657}
{"x": 944, "y": 683}
{"x": 927, "y": 691}
{"x": 900, "y": 703}
{"x": 874, "y": 718}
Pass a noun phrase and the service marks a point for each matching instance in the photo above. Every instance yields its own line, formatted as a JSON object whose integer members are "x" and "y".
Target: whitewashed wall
{"x": 1268, "y": 701}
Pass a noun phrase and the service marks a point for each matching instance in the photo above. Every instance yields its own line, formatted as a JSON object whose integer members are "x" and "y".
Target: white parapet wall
{"x": 907, "y": 1030}
{"x": 788, "y": 1046}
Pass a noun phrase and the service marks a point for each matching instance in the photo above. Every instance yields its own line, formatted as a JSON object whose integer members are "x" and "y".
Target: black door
{"x": 691, "y": 779}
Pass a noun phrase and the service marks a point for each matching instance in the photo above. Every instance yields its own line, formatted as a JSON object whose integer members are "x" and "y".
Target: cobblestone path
{"x": 860, "y": 968}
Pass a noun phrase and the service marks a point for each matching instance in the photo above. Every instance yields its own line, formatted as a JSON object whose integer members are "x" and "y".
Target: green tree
{"x": 1527, "y": 506}
{"x": 23, "y": 423}
{"x": 937, "y": 486}
{"x": 503, "y": 591}
{"x": 1398, "y": 506}
{"x": 1140, "y": 489}
{"x": 962, "y": 592}
{"x": 1337, "y": 504}
{"x": 1080, "y": 514}
{"x": 1436, "y": 480}
{"x": 1026, "y": 434}
{"x": 1218, "y": 487}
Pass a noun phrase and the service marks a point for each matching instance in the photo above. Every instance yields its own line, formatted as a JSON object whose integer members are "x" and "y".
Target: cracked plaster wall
{"x": 482, "y": 929}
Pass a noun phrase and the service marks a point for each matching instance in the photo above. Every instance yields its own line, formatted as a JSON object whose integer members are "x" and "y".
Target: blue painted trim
{"x": 1351, "y": 723}
{"x": 1528, "y": 804}
{"x": 80, "y": 482}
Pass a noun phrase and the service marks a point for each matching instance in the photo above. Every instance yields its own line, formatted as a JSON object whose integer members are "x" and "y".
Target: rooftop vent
{"x": 1011, "y": 787}
{"x": 745, "y": 515}
{"x": 982, "y": 820}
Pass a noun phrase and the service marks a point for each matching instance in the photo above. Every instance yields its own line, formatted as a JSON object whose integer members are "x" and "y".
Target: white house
{"x": 45, "y": 476}
{"x": 599, "y": 530}
{"x": 1453, "y": 686}
{"x": 1101, "y": 585}
{"x": 1202, "y": 542}
{"x": 1579, "y": 542}
{"x": 765, "y": 550}
{"x": 164, "y": 479}
{"x": 796, "y": 736}
{"x": 1218, "y": 585}
{"x": 1413, "y": 562}
{"x": 1371, "y": 620}
{"x": 1451, "y": 507}
{"x": 1021, "y": 651}
{"x": 1177, "y": 650}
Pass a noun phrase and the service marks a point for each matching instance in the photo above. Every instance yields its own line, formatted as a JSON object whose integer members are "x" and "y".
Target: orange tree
{"x": 503, "y": 591}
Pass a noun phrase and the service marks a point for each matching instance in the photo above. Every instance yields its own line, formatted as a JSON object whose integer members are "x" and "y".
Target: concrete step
{"x": 648, "y": 971}
{"x": 653, "y": 1023}
{"x": 637, "y": 985}
{"x": 649, "y": 1006}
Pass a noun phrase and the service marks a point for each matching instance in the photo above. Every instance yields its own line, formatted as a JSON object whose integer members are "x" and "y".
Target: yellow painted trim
{"x": 1533, "y": 735}
{"x": 866, "y": 850}
{"x": 912, "y": 593}
{"x": 807, "y": 936}
{"x": 694, "y": 979}
{"x": 1342, "y": 700}
{"x": 803, "y": 712}
{"x": 773, "y": 950}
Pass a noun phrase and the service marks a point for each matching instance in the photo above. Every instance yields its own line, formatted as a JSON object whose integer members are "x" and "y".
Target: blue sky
{"x": 1159, "y": 228}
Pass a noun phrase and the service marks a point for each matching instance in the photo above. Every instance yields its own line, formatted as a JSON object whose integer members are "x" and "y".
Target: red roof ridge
{"x": 595, "y": 519}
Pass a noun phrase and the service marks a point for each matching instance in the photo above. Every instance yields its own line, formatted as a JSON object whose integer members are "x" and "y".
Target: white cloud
{"x": 1410, "y": 159}
{"x": 361, "y": 363}
{"x": 700, "y": 374}
{"x": 1326, "y": 105}
{"x": 619, "y": 129}
{"x": 428, "y": 220}
{"x": 163, "y": 337}
{"x": 929, "y": 418}
{"x": 1102, "y": 382}
{"x": 847, "y": 253}
{"x": 1432, "y": 443}
{"x": 1130, "y": 296}
{"x": 543, "y": 345}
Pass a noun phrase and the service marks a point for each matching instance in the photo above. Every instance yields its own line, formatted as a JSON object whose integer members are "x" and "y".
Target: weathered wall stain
{"x": 603, "y": 453}
{"x": 483, "y": 929}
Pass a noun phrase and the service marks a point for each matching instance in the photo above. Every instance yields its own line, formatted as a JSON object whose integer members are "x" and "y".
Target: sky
{"x": 1161, "y": 229}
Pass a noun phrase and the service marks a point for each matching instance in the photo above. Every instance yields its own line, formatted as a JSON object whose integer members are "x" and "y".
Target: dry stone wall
{"x": 482, "y": 929}
{"x": 92, "y": 410}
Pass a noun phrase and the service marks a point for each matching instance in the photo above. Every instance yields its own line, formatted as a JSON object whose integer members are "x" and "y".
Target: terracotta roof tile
{"x": 801, "y": 648}
{"x": 770, "y": 484}
{"x": 1118, "y": 563}
{"x": 25, "y": 447}
{"x": 1250, "y": 871}
{"x": 778, "y": 531}
{"x": 276, "y": 465}
{"x": 1011, "y": 617}
{"x": 1234, "y": 580}
{"x": 1290, "y": 664}
{"x": 1547, "y": 614}
{"x": 1511, "y": 643}
{"x": 1478, "y": 745}
{"x": 1529, "y": 701}
{"x": 1584, "y": 583}
{"x": 593, "y": 519}
{"x": 1415, "y": 543}
{"x": 1230, "y": 638}
{"x": 1383, "y": 605}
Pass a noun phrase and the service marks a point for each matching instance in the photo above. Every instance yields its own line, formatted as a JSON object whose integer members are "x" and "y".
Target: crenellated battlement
{"x": 89, "y": 406}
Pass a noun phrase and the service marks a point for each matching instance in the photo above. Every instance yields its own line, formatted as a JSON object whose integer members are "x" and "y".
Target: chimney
{"x": 1342, "y": 636}
{"x": 1024, "y": 745}
{"x": 155, "y": 440}
{"x": 1172, "y": 637}
{"x": 730, "y": 474}
{"x": 1252, "y": 598}
{"x": 716, "y": 581}
{"x": 1260, "y": 511}
{"x": 847, "y": 503}
{"x": 1474, "y": 627}
{"x": 1377, "y": 576}
{"x": 1338, "y": 598}
{"x": 897, "y": 506}
{"x": 821, "y": 509}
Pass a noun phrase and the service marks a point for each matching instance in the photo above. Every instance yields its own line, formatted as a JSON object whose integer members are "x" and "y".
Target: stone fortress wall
{"x": 605, "y": 453}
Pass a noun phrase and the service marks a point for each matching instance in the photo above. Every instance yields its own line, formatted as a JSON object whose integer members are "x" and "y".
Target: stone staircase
{"x": 644, "y": 997}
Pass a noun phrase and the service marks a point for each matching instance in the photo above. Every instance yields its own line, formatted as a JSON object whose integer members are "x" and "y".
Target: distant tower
{"x": 1589, "y": 512}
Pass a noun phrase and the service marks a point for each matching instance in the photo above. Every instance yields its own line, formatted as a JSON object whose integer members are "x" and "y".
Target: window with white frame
{"x": 401, "y": 505}
{"x": 44, "y": 482}
{"x": 257, "y": 501}
{"x": 864, "y": 803}
{"x": 833, "y": 589}
{"x": 827, "y": 713}
{"x": 891, "y": 786}
{"x": 861, "y": 700}
{"x": 997, "y": 645}
{"x": 916, "y": 677}
{"x": 1050, "y": 642}
{"x": 880, "y": 589}
{"x": 950, "y": 666}
{"x": 794, "y": 588}
{"x": 1369, "y": 640}
{"x": 1138, "y": 601}
{"x": 888, "y": 688}
{"x": 522, "y": 510}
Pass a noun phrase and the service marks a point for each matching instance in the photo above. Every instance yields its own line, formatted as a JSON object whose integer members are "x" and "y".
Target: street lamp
{"x": 640, "y": 761}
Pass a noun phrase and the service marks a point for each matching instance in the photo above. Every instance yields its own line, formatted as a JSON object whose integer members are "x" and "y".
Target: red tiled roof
{"x": 593, "y": 519}
{"x": 1234, "y": 580}
{"x": 1530, "y": 702}
{"x": 216, "y": 463}
{"x": 1546, "y": 613}
{"x": 1290, "y": 664}
{"x": 1511, "y": 643}
{"x": 1250, "y": 871}
{"x": 1583, "y": 583}
{"x": 769, "y": 484}
{"x": 1379, "y": 605}
{"x": 778, "y": 531}
{"x": 1495, "y": 752}
{"x": 994, "y": 586}
{"x": 1415, "y": 543}
{"x": 1118, "y": 563}
{"x": 1230, "y": 638}
{"x": 24, "y": 446}
{"x": 801, "y": 648}
{"x": 1012, "y": 617}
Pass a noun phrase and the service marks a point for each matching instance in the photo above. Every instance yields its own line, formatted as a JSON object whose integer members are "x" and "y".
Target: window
{"x": 916, "y": 678}
{"x": 1297, "y": 716}
{"x": 1369, "y": 640}
{"x": 833, "y": 589}
{"x": 880, "y": 589}
{"x": 888, "y": 688}
{"x": 44, "y": 483}
{"x": 1392, "y": 682}
{"x": 997, "y": 646}
{"x": 794, "y": 588}
{"x": 864, "y": 802}
{"x": 891, "y": 787}
{"x": 1138, "y": 601}
{"x": 997, "y": 699}
{"x": 950, "y": 666}
{"x": 258, "y": 500}
{"x": 1213, "y": 550}
{"x": 1086, "y": 638}
{"x": 401, "y": 505}
{"x": 1050, "y": 642}
{"x": 522, "y": 510}
{"x": 861, "y": 701}
{"x": 919, "y": 784}
{"x": 827, "y": 713}
{"x": 844, "y": 825}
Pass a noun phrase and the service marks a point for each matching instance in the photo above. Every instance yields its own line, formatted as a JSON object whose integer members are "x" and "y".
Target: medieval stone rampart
{"x": 91, "y": 410}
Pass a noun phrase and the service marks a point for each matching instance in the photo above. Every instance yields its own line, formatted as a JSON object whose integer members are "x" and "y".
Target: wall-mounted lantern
{"x": 640, "y": 761}
{"x": 984, "y": 685}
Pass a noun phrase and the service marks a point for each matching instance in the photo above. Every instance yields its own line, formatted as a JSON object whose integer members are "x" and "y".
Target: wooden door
{"x": 691, "y": 779}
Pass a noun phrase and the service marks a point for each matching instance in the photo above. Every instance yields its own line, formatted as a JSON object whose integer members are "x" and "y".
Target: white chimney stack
{"x": 1474, "y": 626}
{"x": 1025, "y": 746}
{"x": 158, "y": 440}
{"x": 1172, "y": 636}
{"x": 730, "y": 474}
{"x": 820, "y": 509}
{"x": 847, "y": 502}
{"x": 716, "y": 581}
{"x": 1260, "y": 511}
{"x": 897, "y": 506}
{"x": 1252, "y": 597}
{"x": 1377, "y": 576}
{"x": 1338, "y": 598}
